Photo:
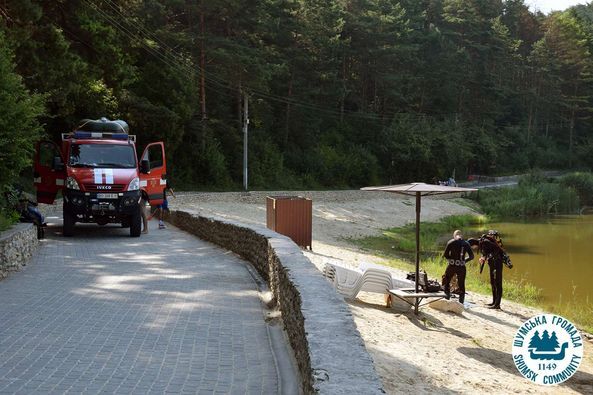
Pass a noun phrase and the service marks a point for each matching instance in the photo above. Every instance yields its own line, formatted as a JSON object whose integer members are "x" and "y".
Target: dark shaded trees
{"x": 342, "y": 93}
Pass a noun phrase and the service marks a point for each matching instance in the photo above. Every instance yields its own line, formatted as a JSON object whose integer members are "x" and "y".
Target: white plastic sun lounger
{"x": 349, "y": 281}
{"x": 396, "y": 282}
{"x": 375, "y": 280}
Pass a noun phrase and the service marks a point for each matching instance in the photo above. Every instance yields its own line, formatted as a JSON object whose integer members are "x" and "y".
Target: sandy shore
{"x": 434, "y": 352}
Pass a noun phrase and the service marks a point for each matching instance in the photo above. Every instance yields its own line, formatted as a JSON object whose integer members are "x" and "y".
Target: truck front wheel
{"x": 136, "y": 224}
{"x": 68, "y": 225}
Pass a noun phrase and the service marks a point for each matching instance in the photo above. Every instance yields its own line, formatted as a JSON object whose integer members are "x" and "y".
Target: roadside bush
{"x": 529, "y": 200}
{"x": 7, "y": 215}
{"x": 350, "y": 166}
{"x": 532, "y": 179}
{"x": 267, "y": 168}
{"x": 213, "y": 165}
{"x": 5, "y": 221}
{"x": 583, "y": 184}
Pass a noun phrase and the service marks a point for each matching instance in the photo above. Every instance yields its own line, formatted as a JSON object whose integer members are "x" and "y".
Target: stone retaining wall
{"x": 330, "y": 353}
{"x": 16, "y": 247}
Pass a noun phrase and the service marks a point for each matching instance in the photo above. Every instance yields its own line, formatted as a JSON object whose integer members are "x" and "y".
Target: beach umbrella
{"x": 419, "y": 189}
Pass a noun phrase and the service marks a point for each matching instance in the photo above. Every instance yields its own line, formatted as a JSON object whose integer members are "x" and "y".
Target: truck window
{"x": 47, "y": 153}
{"x": 102, "y": 155}
{"x": 154, "y": 155}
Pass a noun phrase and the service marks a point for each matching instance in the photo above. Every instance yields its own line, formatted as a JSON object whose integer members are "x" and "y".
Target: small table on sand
{"x": 409, "y": 296}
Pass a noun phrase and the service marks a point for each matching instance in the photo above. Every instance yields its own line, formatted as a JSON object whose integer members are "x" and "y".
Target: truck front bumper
{"x": 89, "y": 205}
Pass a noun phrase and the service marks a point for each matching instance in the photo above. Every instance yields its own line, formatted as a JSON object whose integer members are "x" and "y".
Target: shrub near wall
{"x": 330, "y": 353}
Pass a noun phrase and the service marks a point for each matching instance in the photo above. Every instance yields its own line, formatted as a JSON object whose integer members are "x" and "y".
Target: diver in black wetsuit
{"x": 455, "y": 254}
{"x": 493, "y": 254}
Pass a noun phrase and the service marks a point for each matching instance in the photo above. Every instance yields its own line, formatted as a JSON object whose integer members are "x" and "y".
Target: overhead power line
{"x": 142, "y": 29}
{"x": 172, "y": 61}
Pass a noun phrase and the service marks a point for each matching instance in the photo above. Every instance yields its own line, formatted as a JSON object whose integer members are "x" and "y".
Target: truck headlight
{"x": 72, "y": 184}
{"x": 134, "y": 184}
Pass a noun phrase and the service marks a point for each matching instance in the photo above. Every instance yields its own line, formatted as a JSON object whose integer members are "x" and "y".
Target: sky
{"x": 546, "y": 6}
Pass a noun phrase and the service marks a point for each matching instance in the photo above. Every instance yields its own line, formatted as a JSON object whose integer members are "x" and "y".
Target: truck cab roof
{"x": 99, "y": 137}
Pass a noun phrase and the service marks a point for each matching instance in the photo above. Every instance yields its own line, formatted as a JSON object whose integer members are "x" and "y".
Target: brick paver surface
{"x": 106, "y": 313}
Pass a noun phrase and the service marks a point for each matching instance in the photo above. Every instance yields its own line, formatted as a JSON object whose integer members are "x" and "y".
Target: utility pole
{"x": 202, "y": 64}
{"x": 245, "y": 135}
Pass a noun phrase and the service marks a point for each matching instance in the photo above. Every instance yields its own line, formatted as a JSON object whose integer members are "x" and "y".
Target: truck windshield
{"x": 102, "y": 155}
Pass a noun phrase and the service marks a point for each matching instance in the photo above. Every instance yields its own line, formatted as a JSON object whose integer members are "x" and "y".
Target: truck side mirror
{"x": 57, "y": 164}
{"x": 144, "y": 166}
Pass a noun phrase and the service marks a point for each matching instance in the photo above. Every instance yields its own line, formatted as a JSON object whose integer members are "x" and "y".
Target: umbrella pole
{"x": 418, "y": 207}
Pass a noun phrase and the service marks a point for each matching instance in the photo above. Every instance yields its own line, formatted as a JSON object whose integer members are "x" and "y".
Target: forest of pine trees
{"x": 342, "y": 93}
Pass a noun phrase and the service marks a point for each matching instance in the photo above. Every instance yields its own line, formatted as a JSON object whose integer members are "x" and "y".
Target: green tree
{"x": 566, "y": 53}
{"x": 535, "y": 341}
{"x": 19, "y": 119}
{"x": 554, "y": 341}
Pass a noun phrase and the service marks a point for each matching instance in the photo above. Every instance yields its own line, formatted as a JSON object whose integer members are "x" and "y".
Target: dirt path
{"x": 435, "y": 352}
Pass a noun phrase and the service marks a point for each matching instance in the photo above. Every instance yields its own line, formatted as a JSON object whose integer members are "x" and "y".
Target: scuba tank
{"x": 494, "y": 236}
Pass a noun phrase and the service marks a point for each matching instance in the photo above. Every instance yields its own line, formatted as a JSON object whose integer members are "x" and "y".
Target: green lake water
{"x": 555, "y": 256}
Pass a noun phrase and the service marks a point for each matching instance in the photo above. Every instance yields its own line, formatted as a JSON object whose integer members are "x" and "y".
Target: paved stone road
{"x": 106, "y": 313}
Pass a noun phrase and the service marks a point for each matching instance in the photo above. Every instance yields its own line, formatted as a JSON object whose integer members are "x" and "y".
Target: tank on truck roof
{"x": 103, "y": 125}
{"x": 101, "y": 129}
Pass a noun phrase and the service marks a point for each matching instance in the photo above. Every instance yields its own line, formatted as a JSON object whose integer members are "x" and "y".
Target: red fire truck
{"x": 99, "y": 174}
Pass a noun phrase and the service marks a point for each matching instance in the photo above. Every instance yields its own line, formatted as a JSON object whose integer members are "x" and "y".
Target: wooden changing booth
{"x": 292, "y": 217}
